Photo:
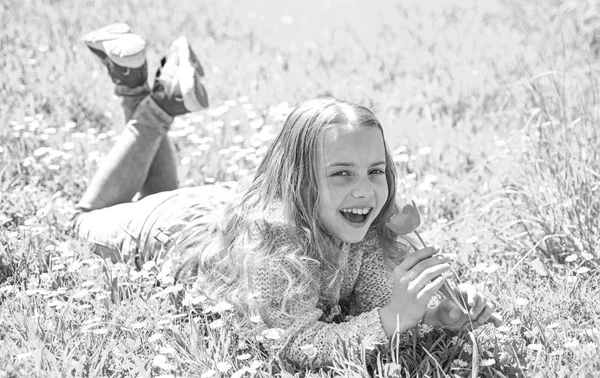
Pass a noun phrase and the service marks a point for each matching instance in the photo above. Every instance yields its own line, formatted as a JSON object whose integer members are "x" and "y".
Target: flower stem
{"x": 446, "y": 289}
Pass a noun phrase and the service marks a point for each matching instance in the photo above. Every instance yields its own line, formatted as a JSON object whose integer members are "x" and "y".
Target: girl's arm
{"x": 307, "y": 340}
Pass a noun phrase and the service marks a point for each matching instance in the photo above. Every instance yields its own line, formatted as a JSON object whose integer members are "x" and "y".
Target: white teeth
{"x": 357, "y": 211}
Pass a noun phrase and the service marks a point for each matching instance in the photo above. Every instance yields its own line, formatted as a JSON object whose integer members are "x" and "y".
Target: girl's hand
{"x": 416, "y": 280}
{"x": 449, "y": 316}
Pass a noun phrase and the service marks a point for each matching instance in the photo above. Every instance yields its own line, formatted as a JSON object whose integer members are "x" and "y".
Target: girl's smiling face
{"x": 352, "y": 182}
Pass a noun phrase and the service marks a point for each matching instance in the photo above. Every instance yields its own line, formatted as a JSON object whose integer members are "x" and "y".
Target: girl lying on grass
{"x": 304, "y": 246}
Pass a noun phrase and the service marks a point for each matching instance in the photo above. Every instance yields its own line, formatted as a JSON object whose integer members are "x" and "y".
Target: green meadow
{"x": 491, "y": 109}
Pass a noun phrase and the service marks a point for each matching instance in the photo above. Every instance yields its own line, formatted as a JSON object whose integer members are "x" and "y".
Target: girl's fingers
{"x": 476, "y": 310}
{"x": 416, "y": 257}
{"x": 429, "y": 274}
{"x": 472, "y": 296}
{"x": 487, "y": 312}
{"x": 429, "y": 263}
{"x": 430, "y": 289}
{"x": 495, "y": 319}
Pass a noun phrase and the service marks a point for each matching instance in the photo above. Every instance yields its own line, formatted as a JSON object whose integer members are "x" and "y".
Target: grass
{"x": 491, "y": 108}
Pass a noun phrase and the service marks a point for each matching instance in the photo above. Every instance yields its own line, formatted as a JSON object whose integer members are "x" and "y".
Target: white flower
{"x": 243, "y": 357}
{"x": 455, "y": 340}
{"x": 241, "y": 372}
{"x": 487, "y": 362}
{"x": 208, "y": 374}
{"x": 255, "y": 319}
{"x": 273, "y": 333}
{"x": 220, "y": 307}
{"x": 425, "y": 329}
{"x": 166, "y": 350}
{"x": 162, "y": 362}
{"x": 223, "y": 367}
{"x": 571, "y": 258}
{"x": 521, "y": 302}
{"x": 216, "y": 324}
{"x": 587, "y": 256}
{"x": 309, "y": 350}
{"x": 467, "y": 348}
{"x": 460, "y": 363}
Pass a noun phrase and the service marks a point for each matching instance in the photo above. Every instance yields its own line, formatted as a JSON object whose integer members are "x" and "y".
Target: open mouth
{"x": 356, "y": 215}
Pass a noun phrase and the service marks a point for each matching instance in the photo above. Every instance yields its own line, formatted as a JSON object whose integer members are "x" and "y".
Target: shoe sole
{"x": 115, "y": 42}
{"x": 107, "y": 32}
{"x": 190, "y": 75}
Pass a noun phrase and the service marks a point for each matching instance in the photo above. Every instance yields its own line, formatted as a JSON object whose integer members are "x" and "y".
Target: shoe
{"x": 123, "y": 54}
{"x": 178, "y": 85}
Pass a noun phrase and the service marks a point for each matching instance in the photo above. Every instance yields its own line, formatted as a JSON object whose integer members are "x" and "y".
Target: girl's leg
{"x": 125, "y": 169}
{"x": 162, "y": 175}
{"x": 177, "y": 90}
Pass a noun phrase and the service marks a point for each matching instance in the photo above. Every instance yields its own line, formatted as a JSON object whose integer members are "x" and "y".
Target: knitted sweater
{"x": 345, "y": 312}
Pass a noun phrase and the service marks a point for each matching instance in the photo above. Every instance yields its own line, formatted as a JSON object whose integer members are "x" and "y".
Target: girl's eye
{"x": 378, "y": 172}
{"x": 341, "y": 173}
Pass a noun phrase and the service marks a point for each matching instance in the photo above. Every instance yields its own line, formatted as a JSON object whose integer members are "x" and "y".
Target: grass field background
{"x": 491, "y": 108}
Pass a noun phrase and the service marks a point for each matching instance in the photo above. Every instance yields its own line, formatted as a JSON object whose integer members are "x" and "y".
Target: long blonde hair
{"x": 285, "y": 184}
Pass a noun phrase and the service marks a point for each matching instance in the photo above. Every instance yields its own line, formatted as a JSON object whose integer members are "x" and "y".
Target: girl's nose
{"x": 363, "y": 190}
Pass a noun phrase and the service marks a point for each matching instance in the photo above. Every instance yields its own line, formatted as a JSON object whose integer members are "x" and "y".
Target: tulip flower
{"x": 406, "y": 222}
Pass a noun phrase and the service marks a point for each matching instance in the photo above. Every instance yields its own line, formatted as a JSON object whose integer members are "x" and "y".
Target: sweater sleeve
{"x": 373, "y": 287}
{"x": 306, "y": 339}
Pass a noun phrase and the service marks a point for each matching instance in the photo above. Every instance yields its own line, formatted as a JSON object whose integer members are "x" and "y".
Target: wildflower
{"x": 425, "y": 329}
{"x": 23, "y": 356}
{"x": 255, "y": 365}
{"x": 166, "y": 350}
{"x": 244, "y": 357}
{"x": 273, "y": 333}
{"x": 255, "y": 319}
{"x": 587, "y": 256}
{"x": 223, "y": 367}
{"x": 241, "y": 372}
{"x": 571, "y": 258}
{"x": 216, "y": 324}
{"x": 424, "y": 150}
{"x": 208, "y": 374}
{"x": 198, "y": 299}
{"x": 472, "y": 240}
{"x": 220, "y": 307}
{"x": 487, "y": 362}
{"x": 460, "y": 363}
{"x": 521, "y": 302}
{"x": 467, "y": 348}
{"x": 161, "y": 361}
{"x": 309, "y": 350}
